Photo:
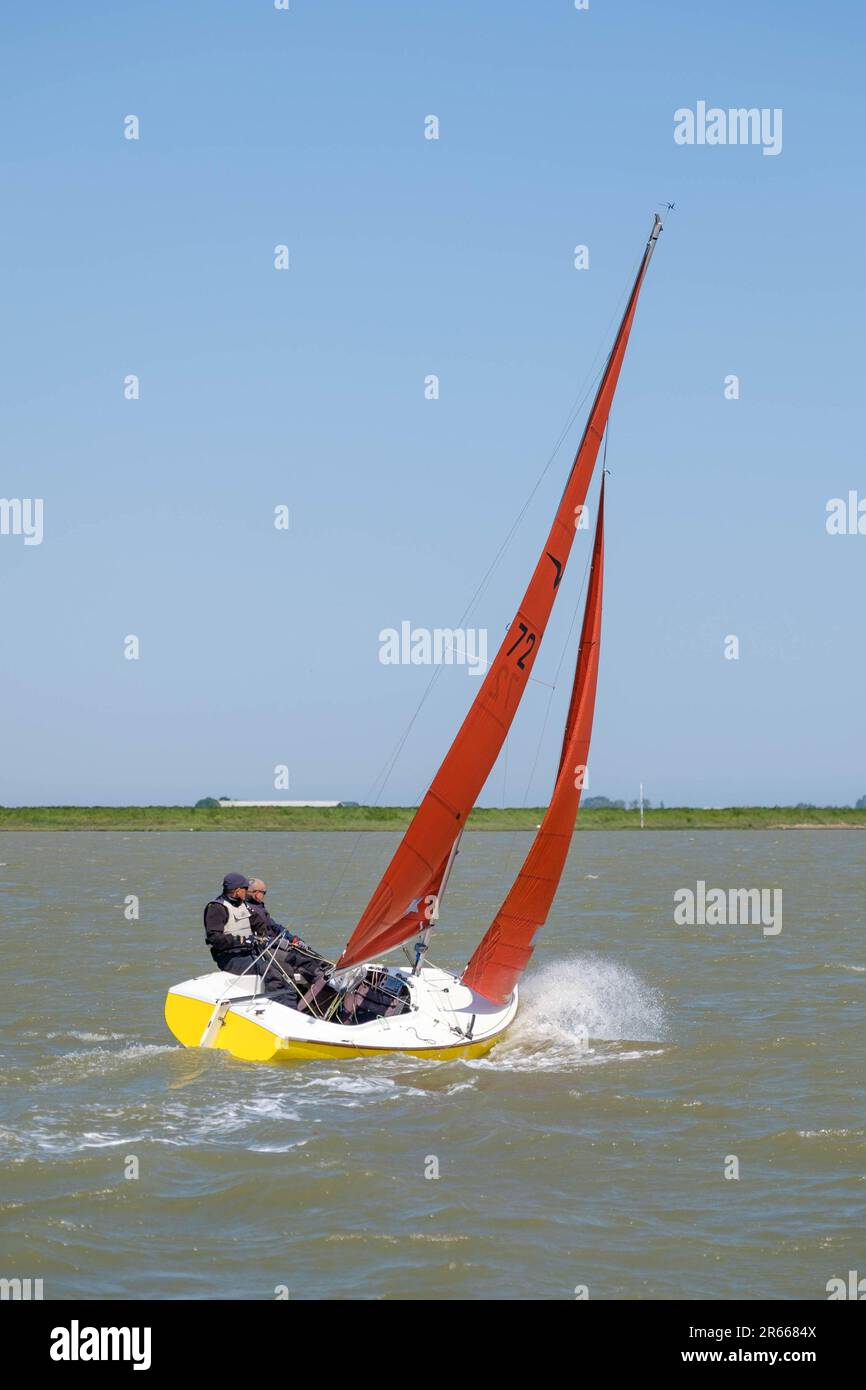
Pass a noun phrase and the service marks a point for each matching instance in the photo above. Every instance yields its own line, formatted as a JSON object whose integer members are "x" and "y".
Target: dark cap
{"x": 232, "y": 882}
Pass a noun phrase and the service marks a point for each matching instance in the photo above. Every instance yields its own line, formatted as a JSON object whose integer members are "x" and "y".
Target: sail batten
{"x": 458, "y": 783}
{"x": 506, "y": 947}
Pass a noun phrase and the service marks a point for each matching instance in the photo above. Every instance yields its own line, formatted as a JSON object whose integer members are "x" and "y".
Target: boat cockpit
{"x": 372, "y": 992}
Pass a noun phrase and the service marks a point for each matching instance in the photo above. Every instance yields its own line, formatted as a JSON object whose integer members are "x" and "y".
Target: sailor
{"x": 228, "y": 927}
{"x": 290, "y": 953}
{"x": 262, "y": 922}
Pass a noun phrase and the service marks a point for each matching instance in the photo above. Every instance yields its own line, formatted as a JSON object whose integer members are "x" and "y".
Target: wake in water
{"x": 571, "y": 1012}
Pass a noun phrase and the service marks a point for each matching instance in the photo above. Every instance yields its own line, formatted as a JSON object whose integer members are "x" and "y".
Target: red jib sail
{"x": 501, "y": 956}
{"x": 386, "y": 921}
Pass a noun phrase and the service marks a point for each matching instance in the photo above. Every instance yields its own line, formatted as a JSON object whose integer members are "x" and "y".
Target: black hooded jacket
{"x": 223, "y": 945}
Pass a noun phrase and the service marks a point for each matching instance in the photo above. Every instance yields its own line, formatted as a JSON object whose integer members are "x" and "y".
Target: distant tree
{"x": 601, "y": 803}
{"x": 207, "y": 803}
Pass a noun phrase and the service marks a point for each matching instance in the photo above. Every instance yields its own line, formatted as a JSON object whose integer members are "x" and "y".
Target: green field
{"x": 398, "y": 817}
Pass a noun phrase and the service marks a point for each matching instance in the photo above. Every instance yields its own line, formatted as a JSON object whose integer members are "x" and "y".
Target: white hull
{"x": 444, "y": 1019}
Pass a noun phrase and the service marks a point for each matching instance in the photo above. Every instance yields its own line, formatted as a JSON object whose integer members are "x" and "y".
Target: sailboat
{"x": 360, "y": 1006}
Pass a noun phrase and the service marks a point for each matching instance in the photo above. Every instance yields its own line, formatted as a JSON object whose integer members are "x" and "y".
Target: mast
{"x": 424, "y": 940}
{"x": 420, "y": 858}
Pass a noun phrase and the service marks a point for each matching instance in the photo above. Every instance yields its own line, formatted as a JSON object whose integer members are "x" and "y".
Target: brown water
{"x": 560, "y": 1165}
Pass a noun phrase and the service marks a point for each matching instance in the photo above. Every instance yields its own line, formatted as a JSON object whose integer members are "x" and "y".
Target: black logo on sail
{"x": 558, "y": 564}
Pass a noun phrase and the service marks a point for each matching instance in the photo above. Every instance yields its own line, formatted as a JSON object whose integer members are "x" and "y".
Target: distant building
{"x": 230, "y": 805}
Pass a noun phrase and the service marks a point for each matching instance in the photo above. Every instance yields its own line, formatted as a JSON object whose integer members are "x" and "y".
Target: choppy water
{"x": 559, "y": 1165}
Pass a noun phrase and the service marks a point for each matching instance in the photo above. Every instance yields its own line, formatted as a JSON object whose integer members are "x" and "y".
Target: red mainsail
{"x": 501, "y": 956}
{"x": 442, "y": 814}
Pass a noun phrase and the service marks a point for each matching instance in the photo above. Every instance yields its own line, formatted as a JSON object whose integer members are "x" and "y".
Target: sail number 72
{"x": 527, "y": 637}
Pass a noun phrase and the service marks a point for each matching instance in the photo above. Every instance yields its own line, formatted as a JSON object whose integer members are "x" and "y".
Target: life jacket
{"x": 238, "y": 923}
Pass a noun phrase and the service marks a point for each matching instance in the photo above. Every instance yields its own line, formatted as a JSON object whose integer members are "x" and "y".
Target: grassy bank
{"x": 398, "y": 817}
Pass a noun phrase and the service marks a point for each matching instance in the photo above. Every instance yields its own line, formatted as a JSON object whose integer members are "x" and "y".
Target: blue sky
{"x": 306, "y": 388}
